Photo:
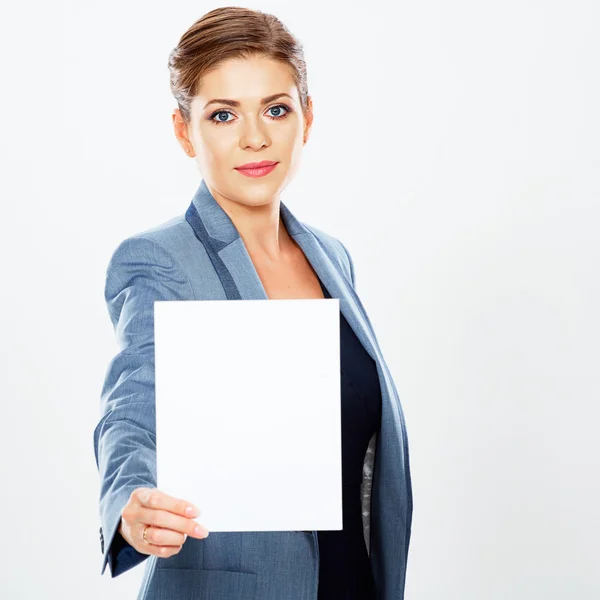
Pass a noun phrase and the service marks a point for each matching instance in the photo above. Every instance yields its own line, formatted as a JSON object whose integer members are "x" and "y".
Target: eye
{"x": 275, "y": 117}
{"x": 278, "y": 108}
{"x": 218, "y": 113}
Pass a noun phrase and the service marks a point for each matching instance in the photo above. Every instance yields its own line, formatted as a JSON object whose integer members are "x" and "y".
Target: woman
{"x": 239, "y": 79}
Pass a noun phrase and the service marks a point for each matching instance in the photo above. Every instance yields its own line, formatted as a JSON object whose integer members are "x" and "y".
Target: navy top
{"x": 344, "y": 567}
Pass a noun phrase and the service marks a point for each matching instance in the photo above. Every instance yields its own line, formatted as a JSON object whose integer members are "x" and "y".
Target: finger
{"x": 145, "y": 545}
{"x": 157, "y": 499}
{"x": 156, "y": 550}
{"x": 167, "y": 520}
{"x": 166, "y": 551}
{"x": 158, "y": 536}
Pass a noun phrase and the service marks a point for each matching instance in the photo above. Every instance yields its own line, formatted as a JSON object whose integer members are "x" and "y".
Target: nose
{"x": 254, "y": 135}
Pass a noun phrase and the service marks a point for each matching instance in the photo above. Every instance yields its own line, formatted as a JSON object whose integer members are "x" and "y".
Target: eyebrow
{"x": 236, "y": 104}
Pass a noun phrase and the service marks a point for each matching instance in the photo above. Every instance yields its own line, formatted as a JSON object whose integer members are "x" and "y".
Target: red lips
{"x": 258, "y": 165}
{"x": 259, "y": 169}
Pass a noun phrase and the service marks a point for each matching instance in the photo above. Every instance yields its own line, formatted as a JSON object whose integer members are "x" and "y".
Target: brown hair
{"x": 232, "y": 32}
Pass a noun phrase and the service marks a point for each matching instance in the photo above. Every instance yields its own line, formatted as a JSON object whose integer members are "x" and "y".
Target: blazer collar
{"x": 230, "y": 258}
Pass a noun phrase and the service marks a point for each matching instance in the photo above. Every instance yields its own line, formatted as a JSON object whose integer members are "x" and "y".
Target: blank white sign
{"x": 248, "y": 412}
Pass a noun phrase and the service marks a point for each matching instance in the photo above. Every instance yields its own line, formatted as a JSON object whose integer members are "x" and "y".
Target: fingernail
{"x": 190, "y": 510}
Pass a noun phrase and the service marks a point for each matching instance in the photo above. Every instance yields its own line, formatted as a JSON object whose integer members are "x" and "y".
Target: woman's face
{"x": 246, "y": 111}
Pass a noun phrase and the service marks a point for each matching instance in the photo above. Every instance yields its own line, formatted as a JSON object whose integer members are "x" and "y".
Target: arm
{"x": 139, "y": 272}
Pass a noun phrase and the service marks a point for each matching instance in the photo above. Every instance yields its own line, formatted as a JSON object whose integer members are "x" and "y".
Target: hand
{"x": 166, "y": 518}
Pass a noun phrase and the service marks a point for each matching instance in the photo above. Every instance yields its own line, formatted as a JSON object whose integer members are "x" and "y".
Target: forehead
{"x": 246, "y": 80}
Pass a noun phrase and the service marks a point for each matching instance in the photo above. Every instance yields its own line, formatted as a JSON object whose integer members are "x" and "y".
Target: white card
{"x": 248, "y": 411}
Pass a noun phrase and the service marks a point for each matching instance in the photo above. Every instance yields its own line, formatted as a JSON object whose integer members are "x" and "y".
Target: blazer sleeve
{"x": 139, "y": 272}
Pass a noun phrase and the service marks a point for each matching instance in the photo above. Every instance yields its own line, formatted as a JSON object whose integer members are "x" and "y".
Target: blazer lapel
{"x": 226, "y": 249}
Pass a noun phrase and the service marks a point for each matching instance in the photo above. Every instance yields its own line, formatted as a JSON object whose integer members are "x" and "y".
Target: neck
{"x": 260, "y": 227}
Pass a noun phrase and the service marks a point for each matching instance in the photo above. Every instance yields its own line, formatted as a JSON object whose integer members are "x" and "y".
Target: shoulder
{"x": 167, "y": 235}
{"x": 336, "y": 250}
{"x": 159, "y": 245}
{"x": 143, "y": 268}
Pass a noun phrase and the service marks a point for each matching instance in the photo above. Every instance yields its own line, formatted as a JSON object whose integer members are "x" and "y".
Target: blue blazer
{"x": 200, "y": 255}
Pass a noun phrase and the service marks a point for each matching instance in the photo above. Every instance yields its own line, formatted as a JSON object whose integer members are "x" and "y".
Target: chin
{"x": 256, "y": 193}
{"x": 255, "y": 199}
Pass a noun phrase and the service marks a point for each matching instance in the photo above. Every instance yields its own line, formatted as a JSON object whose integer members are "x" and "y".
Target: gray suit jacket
{"x": 200, "y": 256}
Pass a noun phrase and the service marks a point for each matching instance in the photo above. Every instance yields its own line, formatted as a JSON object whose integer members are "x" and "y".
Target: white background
{"x": 455, "y": 151}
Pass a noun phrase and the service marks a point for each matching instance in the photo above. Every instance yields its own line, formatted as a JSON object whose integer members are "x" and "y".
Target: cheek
{"x": 215, "y": 147}
{"x": 296, "y": 145}
{"x": 289, "y": 138}
{"x": 291, "y": 128}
